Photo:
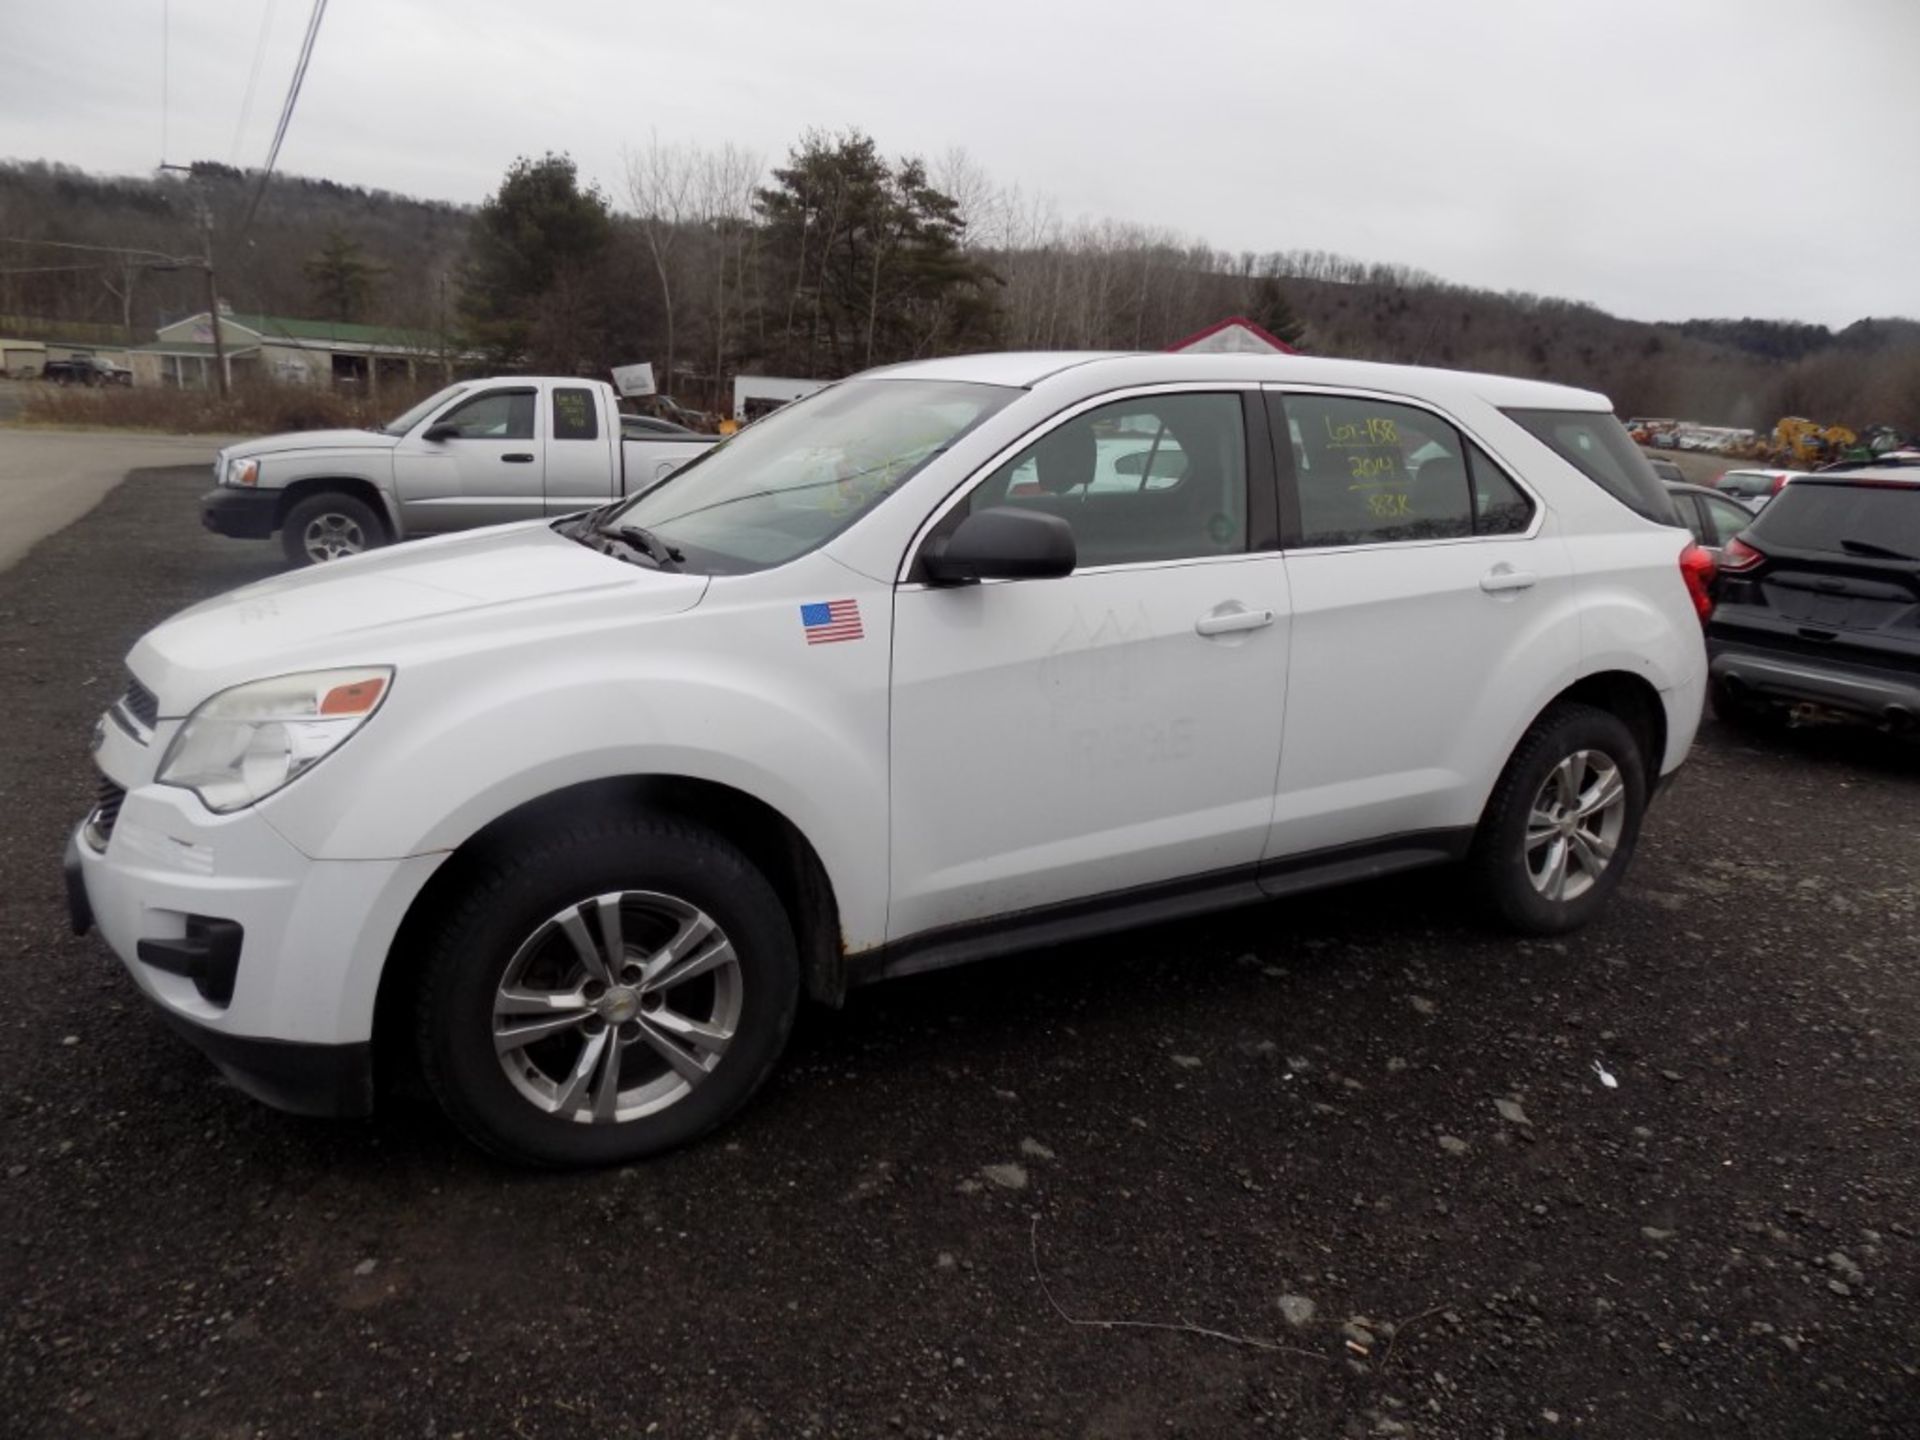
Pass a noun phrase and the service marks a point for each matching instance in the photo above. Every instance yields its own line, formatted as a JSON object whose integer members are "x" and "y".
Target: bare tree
{"x": 980, "y": 203}
{"x": 723, "y": 189}
{"x": 661, "y": 182}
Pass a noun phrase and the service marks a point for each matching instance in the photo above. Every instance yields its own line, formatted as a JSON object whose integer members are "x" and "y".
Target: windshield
{"x": 791, "y": 482}
{"x": 401, "y": 424}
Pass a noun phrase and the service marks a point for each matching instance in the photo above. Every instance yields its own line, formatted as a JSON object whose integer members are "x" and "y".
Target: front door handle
{"x": 1505, "y": 577}
{"x": 1231, "y": 617}
{"x": 516, "y": 459}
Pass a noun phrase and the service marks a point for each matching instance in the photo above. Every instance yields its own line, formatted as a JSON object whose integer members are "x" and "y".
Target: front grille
{"x": 106, "y": 810}
{"x": 141, "y": 703}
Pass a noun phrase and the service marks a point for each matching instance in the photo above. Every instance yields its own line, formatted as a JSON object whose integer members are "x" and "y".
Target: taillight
{"x": 1697, "y": 569}
{"x": 1737, "y": 555}
{"x": 1779, "y": 484}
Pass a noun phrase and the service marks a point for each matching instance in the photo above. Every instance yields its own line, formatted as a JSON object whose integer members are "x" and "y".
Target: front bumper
{"x": 266, "y": 960}
{"x": 332, "y": 1081}
{"x": 1887, "y": 697}
{"x": 241, "y": 513}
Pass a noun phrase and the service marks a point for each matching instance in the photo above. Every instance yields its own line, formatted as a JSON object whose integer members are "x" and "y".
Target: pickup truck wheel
{"x": 329, "y": 526}
{"x": 1560, "y": 830}
{"x": 606, "y": 993}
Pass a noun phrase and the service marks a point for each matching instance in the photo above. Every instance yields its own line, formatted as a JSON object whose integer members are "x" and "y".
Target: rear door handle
{"x": 1505, "y": 577}
{"x": 516, "y": 459}
{"x": 1231, "y": 617}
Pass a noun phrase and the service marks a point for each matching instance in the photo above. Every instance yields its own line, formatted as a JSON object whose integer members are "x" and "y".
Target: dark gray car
{"x": 1818, "y": 605}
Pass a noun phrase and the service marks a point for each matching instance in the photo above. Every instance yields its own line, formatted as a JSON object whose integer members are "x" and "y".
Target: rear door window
{"x": 1725, "y": 519}
{"x": 574, "y": 416}
{"x": 1598, "y": 446}
{"x": 1370, "y": 471}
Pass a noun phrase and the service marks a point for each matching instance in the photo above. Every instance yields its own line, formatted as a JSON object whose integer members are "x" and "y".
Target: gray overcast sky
{"x": 1660, "y": 158}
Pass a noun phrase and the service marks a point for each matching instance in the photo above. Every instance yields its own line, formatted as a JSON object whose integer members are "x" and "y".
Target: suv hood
{"x": 453, "y": 593}
{"x": 312, "y": 440}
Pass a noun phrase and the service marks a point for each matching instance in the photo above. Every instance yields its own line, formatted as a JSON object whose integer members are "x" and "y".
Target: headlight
{"x": 243, "y": 472}
{"x": 247, "y": 742}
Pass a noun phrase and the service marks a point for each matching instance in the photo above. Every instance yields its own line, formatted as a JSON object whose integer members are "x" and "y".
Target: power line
{"x": 51, "y": 269}
{"x": 96, "y": 249}
{"x": 286, "y": 111}
{"x": 253, "y": 77}
{"x": 166, "y": 55}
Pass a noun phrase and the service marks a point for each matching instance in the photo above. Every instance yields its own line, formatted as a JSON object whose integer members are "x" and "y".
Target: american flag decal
{"x": 827, "y": 620}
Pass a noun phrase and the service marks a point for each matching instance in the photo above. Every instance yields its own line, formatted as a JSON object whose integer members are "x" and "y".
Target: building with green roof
{"x": 289, "y": 351}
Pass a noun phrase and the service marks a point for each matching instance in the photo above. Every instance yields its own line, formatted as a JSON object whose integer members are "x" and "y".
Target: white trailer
{"x": 755, "y": 395}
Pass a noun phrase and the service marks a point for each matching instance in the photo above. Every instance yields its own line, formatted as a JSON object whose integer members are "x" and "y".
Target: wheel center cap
{"x": 619, "y": 1005}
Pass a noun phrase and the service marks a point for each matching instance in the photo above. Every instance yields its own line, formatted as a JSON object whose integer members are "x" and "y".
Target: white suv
{"x": 947, "y": 660}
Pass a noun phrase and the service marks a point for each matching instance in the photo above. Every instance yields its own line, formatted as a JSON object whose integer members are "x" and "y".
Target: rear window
{"x": 1873, "y": 520}
{"x": 1598, "y": 446}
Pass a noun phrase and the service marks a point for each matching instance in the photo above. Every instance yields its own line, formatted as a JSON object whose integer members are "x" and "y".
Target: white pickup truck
{"x": 479, "y": 452}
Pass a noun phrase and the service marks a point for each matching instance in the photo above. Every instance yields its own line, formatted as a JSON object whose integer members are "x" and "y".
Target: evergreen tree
{"x": 538, "y": 248}
{"x": 341, "y": 277}
{"x": 1271, "y": 311}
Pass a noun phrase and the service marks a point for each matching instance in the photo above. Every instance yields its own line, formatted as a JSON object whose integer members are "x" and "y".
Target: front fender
{"x": 443, "y": 771}
{"x": 359, "y": 471}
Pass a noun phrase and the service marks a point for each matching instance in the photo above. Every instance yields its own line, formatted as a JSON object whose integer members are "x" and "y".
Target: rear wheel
{"x": 606, "y": 993}
{"x": 1560, "y": 830}
{"x": 330, "y": 526}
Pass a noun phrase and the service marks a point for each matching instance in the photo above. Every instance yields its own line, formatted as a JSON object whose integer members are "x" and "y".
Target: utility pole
{"x": 205, "y": 212}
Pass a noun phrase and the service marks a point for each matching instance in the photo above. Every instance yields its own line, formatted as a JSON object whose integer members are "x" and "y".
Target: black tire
{"x": 1499, "y": 862}
{"x": 509, "y": 896}
{"x": 333, "y": 513}
{"x": 1744, "y": 712}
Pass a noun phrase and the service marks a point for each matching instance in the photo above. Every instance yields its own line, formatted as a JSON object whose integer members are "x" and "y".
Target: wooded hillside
{"x": 710, "y": 263}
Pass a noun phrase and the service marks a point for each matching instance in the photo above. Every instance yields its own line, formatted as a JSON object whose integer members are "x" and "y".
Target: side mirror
{"x": 439, "y": 434}
{"x": 1002, "y": 544}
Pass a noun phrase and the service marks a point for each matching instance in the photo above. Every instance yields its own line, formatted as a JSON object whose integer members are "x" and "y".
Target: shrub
{"x": 256, "y": 409}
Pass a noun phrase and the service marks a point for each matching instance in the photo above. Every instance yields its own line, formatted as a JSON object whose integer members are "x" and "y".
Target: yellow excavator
{"x": 1801, "y": 444}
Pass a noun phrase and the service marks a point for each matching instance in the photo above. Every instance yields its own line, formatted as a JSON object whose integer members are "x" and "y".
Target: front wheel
{"x": 329, "y": 526}
{"x": 1560, "y": 830}
{"x": 605, "y": 993}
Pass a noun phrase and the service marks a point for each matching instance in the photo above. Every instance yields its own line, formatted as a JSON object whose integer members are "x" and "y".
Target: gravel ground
{"x": 1358, "y": 1145}
{"x": 50, "y": 478}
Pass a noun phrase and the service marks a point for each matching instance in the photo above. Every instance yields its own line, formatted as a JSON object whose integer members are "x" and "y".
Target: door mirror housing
{"x": 439, "y": 434}
{"x": 1002, "y": 543}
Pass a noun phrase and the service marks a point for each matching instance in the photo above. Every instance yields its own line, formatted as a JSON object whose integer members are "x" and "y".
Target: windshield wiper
{"x": 1867, "y": 547}
{"x": 646, "y": 542}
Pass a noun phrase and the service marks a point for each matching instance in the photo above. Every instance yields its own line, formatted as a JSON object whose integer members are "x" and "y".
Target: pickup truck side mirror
{"x": 444, "y": 431}
{"x": 1002, "y": 543}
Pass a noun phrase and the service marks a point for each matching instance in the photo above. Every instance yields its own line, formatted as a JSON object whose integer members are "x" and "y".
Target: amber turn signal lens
{"x": 355, "y": 699}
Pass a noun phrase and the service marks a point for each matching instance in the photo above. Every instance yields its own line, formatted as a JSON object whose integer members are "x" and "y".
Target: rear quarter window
{"x": 1598, "y": 446}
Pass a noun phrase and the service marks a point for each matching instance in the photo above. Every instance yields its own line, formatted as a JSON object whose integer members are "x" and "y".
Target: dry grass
{"x": 252, "y": 409}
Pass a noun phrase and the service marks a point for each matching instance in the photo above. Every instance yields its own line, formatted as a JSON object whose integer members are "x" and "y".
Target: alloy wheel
{"x": 333, "y": 536}
{"x": 1575, "y": 824}
{"x": 617, "y": 1007}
